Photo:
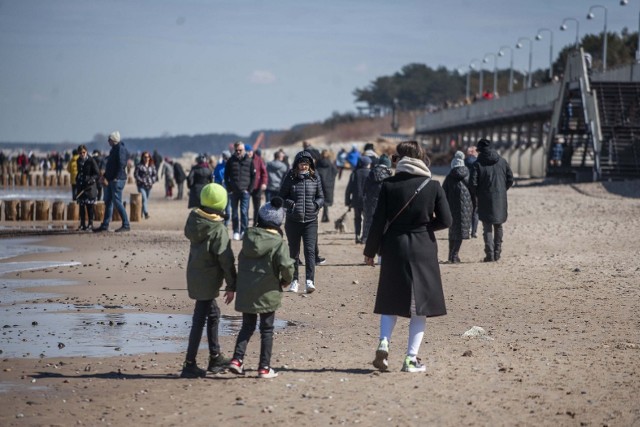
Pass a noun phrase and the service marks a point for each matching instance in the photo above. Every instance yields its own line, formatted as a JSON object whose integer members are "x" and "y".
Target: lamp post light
{"x": 563, "y": 27}
{"x": 624, "y": 3}
{"x": 501, "y": 53}
{"x": 519, "y": 46}
{"x": 495, "y": 71}
{"x": 590, "y": 15}
{"x": 539, "y": 37}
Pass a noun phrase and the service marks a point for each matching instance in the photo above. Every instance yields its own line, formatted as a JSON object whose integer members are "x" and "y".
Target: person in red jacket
{"x": 260, "y": 182}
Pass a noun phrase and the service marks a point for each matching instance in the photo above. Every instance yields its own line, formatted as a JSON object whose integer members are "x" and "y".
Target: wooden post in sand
{"x": 11, "y": 210}
{"x": 24, "y": 180}
{"x": 135, "y": 207}
{"x": 39, "y": 180}
{"x": 57, "y": 212}
{"x": 66, "y": 181}
{"x": 26, "y": 210}
{"x": 98, "y": 212}
{"x": 42, "y": 210}
{"x": 30, "y": 180}
{"x": 73, "y": 211}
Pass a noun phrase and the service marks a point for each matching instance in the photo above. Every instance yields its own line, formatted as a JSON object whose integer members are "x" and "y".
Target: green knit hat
{"x": 213, "y": 196}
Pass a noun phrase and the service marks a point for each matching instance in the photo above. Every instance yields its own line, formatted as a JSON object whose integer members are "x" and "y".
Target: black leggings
{"x": 249, "y": 321}
{"x": 206, "y": 311}
{"x": 308, "y": 231}
{"x": 88, "y": 214}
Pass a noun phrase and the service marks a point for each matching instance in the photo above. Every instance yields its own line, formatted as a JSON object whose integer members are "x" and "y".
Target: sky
{"x": 71, "y": 69}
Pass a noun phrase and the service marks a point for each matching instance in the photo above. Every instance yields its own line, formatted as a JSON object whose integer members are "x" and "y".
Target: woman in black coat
{"x": 327, "y": 171}
{"x": 409, "y": 284}
{"x": 456, "y": 188}
{"x": 302, "y": 193}
{"x": 87, "y": 187}
{"x": 199, "y": 176}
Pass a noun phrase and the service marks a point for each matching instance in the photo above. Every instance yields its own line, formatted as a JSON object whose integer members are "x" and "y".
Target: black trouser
{"x": 256, "y": 198}
{"x": 206, "y": 311}
{"x": 474, "y": 219}
{"x": 454, "y": 249}
{"x": 325, "y": 213}
{"x": 357, "y": 221}
{"x": 492, "y": 234}
{"x": 308, "y": 231}
{"x": 249, "y": 321}
{"x": 84, "y": 214}
{"x": 180, "y": 190}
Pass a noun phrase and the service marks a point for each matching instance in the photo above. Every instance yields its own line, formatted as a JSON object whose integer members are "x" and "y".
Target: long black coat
{"x": 460, "y": 203}
{"x": 409, "y": 249}
{"x": 199, "y": 176}
{"x": 327, "y": 171}
{"x": 491, "y": 177}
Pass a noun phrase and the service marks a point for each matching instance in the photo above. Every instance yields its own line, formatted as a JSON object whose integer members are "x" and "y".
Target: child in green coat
{"x": 210, "y": 262}
{"x": 264, "y": 268}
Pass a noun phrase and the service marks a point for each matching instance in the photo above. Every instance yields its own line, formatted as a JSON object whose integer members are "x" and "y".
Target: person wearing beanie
{"x": 114, "y": 180}
{"x": 490, "y": 179}
{"x": 264, "y": 269}
{"x": 199, "y": 176}
{"x": 469, "y": 160}
{"x": 239, "y": 177}
{"x": 456, "y": 187}
{"x": 302, "y": 193}
{"x": 211, "y": 261}
{"x": 371, "y": 191}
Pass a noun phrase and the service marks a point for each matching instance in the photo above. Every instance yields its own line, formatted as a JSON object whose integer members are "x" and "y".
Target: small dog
{"x": 339, "y": 223}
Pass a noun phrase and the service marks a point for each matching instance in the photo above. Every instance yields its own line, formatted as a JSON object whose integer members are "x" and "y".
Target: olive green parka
{"x": 264, "y": 266}
{"x": 210, "y": 257}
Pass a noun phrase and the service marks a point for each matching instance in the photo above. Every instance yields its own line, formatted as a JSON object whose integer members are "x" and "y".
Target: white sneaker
{"x": 236, "y": 236}
{"x": 413, "y": 365}
{"x": 294, "y": 286}
{"x": 309, "y": 288}
{"x": 267, "y": 373}
{"x": 382, "y": 353}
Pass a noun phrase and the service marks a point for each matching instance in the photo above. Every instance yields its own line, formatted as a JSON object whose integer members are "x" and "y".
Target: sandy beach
{"x": 560, "y": 310}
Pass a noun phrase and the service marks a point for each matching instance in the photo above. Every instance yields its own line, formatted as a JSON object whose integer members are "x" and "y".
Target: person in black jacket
{"x": 239, "y": 176}
{"x": 115, "y": 178}
{"x": 491, "y": 177}
{"x": 371, "y": 191}
{"x": 302, "y": 193}
{"x": 456, "y": 188}
{"x": 180, "y": 177}
{"x": 87, "y": 185}
{"x": 327, "y": 171}
{"x": 410, "y": 284}
{"x": 199, "y": 176}
{"x": 354, "y": 195}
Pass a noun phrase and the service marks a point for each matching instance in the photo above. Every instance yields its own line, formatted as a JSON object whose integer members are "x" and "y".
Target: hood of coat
{"x": 303, "y": 155}
{"x": 460, "y": 173}
{"x": 258, "y": 242}
{"x": 380, "y": 172}
{"x": 488, "y": 157}
{"x": 198, "y": 226}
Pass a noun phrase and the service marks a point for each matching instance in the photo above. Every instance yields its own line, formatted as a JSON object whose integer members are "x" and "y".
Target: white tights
{"x": 417, "y": 325}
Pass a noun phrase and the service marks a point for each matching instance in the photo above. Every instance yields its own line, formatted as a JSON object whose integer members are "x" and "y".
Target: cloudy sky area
{"x": 72, "y": 68}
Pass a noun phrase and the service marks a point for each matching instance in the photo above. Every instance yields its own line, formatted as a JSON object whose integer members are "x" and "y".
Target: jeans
{"x": 308, "y": 231}
{"x": 249, "y": 321}
{"x": 492, "y": 234}
{"x": 113, "y": 196}
{"x": 146, "y": 193}
{"x": 256, "y": 198}
{"x": 241, "y": 199}
{"x": 206, "y": 311}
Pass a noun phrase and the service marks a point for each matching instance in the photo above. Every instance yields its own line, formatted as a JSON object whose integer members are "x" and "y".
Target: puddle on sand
{"x": 11, "y": 289}
{"x": 64, "y": 330}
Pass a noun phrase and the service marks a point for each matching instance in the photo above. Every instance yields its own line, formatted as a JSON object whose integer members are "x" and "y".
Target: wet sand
{"x": 561, "y": 309}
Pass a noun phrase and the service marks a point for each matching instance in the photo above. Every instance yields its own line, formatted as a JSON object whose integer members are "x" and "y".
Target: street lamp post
{"x": 563, "y": 27}
{"x": 590, "y": 15}
{"x": 539, "y": 37}
{"x": 501, "y": 53}
{"x": 519, "y": 46}
{"x": 495, "y": 71}
{"x": 624, "y": 3}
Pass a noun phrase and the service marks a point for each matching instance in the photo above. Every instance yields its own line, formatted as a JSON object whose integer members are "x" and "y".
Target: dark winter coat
{"x": 409, "y": 249}
{"x": 117, "y": 163}
{"x": 199, "y": 176}
{"x": 210, "y": 257}
{"x": 328, "y": 172}
{"x": 87, "y": 179}
{"x": 491, "y": 177}
{"x": 372, "y": 186}
{"x": 455, "y": 186}
{"x": 302, "y": 195}
{"x": 354, "y": 194}
{"x": 263, "y": 264}
{"x": 178, "y": 173}
{"x": 239, "y": 174}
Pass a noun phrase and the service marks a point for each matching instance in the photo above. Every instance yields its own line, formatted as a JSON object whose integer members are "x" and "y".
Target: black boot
{"x": 191, "y": 370}
{"x": 218, "y": 363}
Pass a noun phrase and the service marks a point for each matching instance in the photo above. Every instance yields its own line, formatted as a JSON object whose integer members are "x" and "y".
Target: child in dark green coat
{"x": 210, "y": 262}
{"x": 264, "y": 268}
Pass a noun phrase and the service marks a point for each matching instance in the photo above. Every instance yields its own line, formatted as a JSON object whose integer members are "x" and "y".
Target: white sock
{"x": 387, "y": 323}
{"x": 417, "y": 326}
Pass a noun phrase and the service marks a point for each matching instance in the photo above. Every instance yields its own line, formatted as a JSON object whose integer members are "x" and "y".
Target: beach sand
{"x": 560, "y": 309}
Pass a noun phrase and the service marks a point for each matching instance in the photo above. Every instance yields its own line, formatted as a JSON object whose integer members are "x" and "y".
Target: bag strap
{"x": 413, "y": 196}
